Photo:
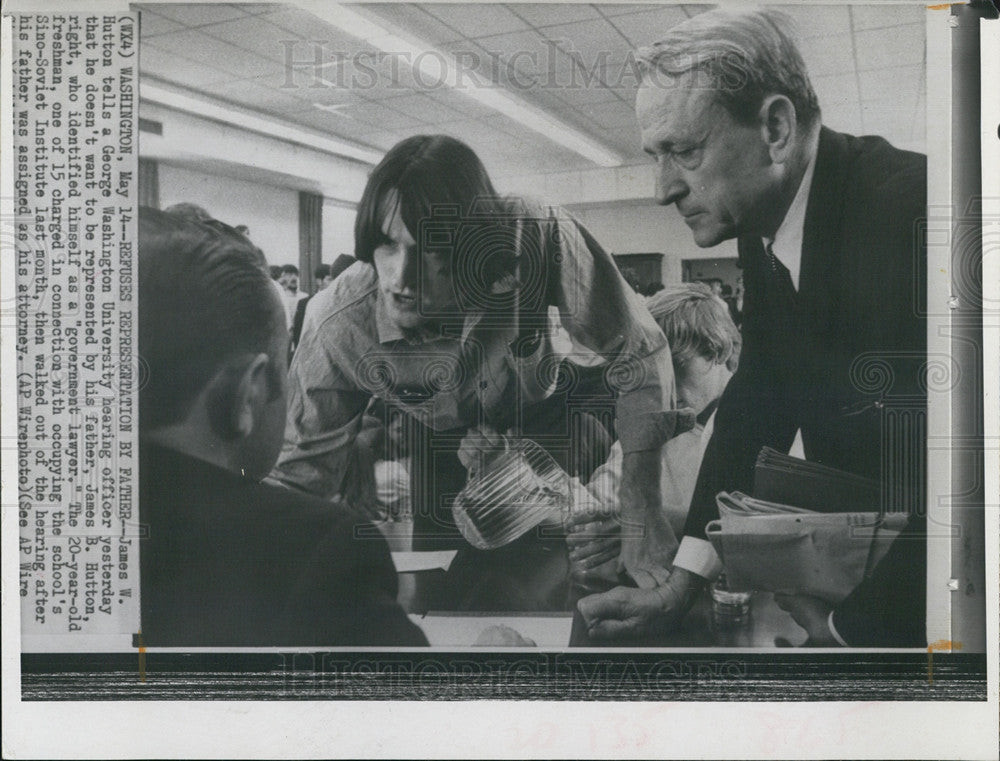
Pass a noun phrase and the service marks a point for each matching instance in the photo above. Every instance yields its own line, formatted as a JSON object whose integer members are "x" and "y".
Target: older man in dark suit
{"x": 834, "y": 338}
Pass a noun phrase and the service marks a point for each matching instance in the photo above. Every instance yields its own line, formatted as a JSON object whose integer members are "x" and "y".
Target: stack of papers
{"x": 809, "y": 529}
{"x": 788, "y": 480}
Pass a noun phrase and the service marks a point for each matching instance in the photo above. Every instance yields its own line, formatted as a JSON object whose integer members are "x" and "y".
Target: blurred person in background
{"x": 289, "y": 282}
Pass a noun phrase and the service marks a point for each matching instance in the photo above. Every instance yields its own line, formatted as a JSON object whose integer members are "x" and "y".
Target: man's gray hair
{"x": 696, "y": 322}
{"x": 744, "y": 55}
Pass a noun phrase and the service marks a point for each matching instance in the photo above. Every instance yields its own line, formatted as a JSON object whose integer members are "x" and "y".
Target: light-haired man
{"x": 705, "y": 349}
{"x": 827, "y": 227}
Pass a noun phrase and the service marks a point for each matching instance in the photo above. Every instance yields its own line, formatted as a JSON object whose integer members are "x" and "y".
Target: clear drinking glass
{"x": 517, "y": 489}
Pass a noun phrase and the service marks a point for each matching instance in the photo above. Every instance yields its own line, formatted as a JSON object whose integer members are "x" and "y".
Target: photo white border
{"x": 499, "y": 728}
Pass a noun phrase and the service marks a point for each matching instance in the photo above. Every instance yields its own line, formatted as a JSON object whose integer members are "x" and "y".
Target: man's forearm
{"x": 639, "y": 492}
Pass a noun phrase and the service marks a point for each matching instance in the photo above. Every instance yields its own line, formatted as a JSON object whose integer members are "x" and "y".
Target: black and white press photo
{"x": 523, "y": 351}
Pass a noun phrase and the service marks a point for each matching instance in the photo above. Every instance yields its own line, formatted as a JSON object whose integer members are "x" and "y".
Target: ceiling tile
{"x": 307, "y": 89}
{"x": 474, "y": 19}
{"x": 381, "y": 116}
{"x": 594, "y": 40}
{"x": 425, "y": 109}
{"x": 508, "y": 45}
{"x": 208, "y": 51}
{"x": 484, "y": 138}
{"x": 558, "y": 62}
{"x": 475, "y": 65}
{"x": 833, "y": 91}
{"x": 527, "y": 52}
{"x": 897, "y": 46}
{"x": 380, "y": 140}
{"x": 251, "y": 94}
{"x": 825, "y": 56}
{"x": 335, "y": 125}
{"x": 306, "y": 26}
{"x": 384, "y": 139}
{"x": 887, "y": 83}
{"x": 580, "y": 95}
{"x": 173, "y": 68}
{"x": 631, "y": 150}
{"x": 463, "y": 104}
{"x": 646, "y": 28}
{"x": 817, "y": 20}
{"x": 610, "y": 115}
{"x": 258, "y": 8}
{"x": 364, "y": 72}
{"x": 196, "y": 14}
{"x": 576, "y": 119}
{"x": 880, "y": 17}
{"x": 890, "y": 115}
{"x": 845, "y": 118}
{"x": 544, "y": 97}
{"x": 257, "y": 34}
{"x": 414, "y": 19}
{"x": 152, "y": 24}
{"x": 526, "y": 138}
{"x": 547, "y": 14}
{"x": 621, "y": 9}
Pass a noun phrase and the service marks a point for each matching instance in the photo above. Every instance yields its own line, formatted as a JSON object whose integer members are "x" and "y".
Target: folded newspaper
{"x": 825, "y": 549}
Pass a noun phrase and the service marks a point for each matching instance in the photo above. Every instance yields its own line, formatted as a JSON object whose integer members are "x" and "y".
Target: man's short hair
{"x": 696, "y": 322}
{"x": 289, "y": 269}
{"x": 275, "y": 270}
{"x": 744, "y": 55}
{"x": 322, "y": 271}
{"x": 205, "y": 297}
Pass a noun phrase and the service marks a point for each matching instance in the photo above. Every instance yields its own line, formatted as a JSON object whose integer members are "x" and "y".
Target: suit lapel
{"x": 821, "y": 239}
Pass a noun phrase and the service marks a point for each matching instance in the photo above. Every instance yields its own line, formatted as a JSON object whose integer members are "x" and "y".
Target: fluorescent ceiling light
{"x": 209, "y": 109}
{"x": 438, "y": 66}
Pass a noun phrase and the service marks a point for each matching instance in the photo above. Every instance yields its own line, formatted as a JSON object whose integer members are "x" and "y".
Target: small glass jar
{"x": 730, "y": 609}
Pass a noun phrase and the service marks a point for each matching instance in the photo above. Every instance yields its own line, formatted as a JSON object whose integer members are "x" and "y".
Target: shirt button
{"x": 483, "y": 385}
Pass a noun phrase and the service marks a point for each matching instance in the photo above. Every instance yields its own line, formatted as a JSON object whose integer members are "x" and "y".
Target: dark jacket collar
{"x": 824, "y": 212}
{"x": 166, "y": 463}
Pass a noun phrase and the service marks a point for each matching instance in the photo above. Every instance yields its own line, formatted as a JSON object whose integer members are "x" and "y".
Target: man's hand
{"x": 812, "y": 614}
{"x": 626, "y": 613}
{"x": 477, "y": 446}
{"x": 501, "y": 635}
{"x": 594, "y": 542}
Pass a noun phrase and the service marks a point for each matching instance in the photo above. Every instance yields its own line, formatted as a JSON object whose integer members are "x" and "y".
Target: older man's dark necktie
{"x": 779, "y": 279}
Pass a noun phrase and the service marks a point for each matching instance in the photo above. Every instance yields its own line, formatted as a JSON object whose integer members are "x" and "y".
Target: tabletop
{"x": 457, "y": 593}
